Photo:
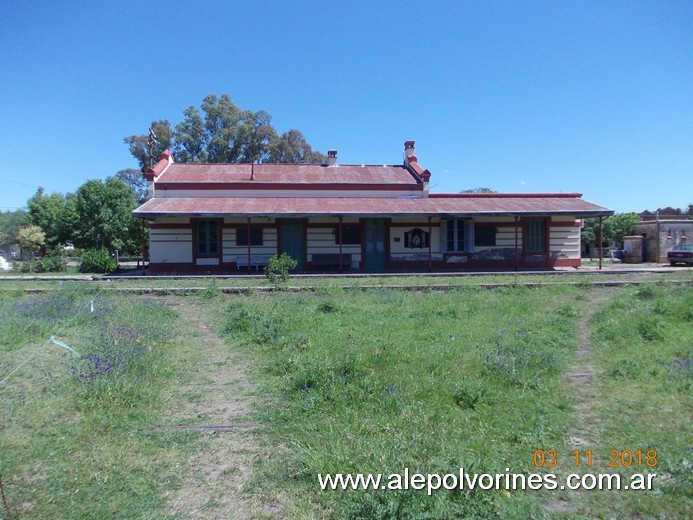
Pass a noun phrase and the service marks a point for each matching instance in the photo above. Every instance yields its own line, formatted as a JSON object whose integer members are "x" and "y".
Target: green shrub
{"x": 26, "y": 266}
{"x": 278, "y": 267}
{"x": 97, "y": 261}
{"x": 52, "y": 262}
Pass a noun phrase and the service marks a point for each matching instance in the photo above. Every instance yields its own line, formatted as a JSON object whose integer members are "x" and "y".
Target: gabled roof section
{"x": 165, "y": 160}
{"x": 412, "y": 162}
{"x": 185, "y": 173}
{"x": 280, "y": 190}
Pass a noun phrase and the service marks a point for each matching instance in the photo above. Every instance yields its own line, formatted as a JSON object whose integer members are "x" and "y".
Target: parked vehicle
{"x": 681, "y": 254}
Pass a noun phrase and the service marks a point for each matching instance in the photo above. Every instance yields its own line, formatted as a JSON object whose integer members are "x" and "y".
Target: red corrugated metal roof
{"x": 503, "y": 205}
{"x": 286, "y": 174}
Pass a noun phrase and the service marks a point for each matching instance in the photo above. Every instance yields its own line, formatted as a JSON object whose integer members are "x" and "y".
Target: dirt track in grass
{"x": 217, "y": 401}
{"x": 581, "y": 378}
{"x": 585, "y": 393}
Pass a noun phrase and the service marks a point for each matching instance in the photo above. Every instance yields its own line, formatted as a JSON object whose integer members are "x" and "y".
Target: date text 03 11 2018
{"x": 617, "y": 459}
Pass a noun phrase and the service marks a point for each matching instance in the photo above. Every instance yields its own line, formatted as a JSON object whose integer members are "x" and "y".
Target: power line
{"x": 20, "y": 183}
{"x": 33, "y": 186}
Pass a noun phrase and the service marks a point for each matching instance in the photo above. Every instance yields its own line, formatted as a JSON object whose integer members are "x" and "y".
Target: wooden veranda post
{"x": 340, "y": 243}
{"x": 248, "y": 244}
{"x": 430, "y": 255}
{"x": 143, "y": 271}
{"x": 516, "y": 243}
{"x": 601, "y": 242}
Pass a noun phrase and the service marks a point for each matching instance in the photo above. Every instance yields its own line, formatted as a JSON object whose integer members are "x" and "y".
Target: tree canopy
{"x": 614, "y": 228}
{"x": 672, "y": 212}
{"x": 31, "y": 238}
{"x": 105, "y": 215}
{"x": 10, "y": 224}
{"x": 221, "y": 132}
{"x": 479, "y": 190}
{"x": 99, "y": 213}
{"x": 292, "y": 147}
{"x": 139, "y": 144}
{"x": 55, "y": 214}
{"x": 137, "y": 183}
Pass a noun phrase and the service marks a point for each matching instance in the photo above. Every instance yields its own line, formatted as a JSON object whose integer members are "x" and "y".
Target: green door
{"x": 536, "y": 242}
{"x": 292, "y": 240}
{"x": 375, "y": 235}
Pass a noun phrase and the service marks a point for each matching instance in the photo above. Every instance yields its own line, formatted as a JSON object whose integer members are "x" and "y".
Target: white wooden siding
{"x": 505, "y": 236}
{"x": 565, "y": 219}
{"x": 322, "y": 241}
{"x": 231, "y": 251}
{"x": 565, "y": 242}
{"x": 170, "y": 246}
{"x": 397, "y": 249}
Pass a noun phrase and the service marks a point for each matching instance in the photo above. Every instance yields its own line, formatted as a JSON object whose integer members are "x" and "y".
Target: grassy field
{"x": 340, "y": 381}
{"x": 76, "y": 439}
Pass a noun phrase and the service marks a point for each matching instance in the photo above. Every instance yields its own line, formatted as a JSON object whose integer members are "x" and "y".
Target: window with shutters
{"x": 535, "y": 228}
{"x": 351, "y": 234}
{"x": 207, "y": 238}
{"x": 255, "y": 236}
{"x": 456, "y": 234}
{"x": 484, "y": 235}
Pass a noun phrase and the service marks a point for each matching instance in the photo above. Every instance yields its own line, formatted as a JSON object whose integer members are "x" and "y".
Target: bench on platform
{"x": 331, "y": 261}
{"x": 256, "y": 261}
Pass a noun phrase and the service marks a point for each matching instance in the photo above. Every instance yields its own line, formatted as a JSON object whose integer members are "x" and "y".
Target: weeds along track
{"x": 182, "y": 290}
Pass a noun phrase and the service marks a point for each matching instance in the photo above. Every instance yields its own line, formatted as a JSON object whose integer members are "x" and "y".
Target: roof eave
{"x": 467, "y": 214}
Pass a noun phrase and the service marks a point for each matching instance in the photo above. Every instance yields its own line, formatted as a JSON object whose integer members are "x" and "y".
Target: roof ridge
{"x": 324, "y": 165}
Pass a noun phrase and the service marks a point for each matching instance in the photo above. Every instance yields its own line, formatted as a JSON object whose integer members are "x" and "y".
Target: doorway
{"x": 292, "y": 241}
{"x": 375, "y": 238}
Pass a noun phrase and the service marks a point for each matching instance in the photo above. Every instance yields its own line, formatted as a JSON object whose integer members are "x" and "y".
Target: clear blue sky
{"x": 594, "y": 97}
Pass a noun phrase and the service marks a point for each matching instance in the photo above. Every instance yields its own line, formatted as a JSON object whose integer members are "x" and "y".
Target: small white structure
{"x": 4, "y": 264}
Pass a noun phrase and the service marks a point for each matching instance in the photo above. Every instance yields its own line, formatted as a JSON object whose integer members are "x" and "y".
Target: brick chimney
{"x": 408, "y": 151}
{"x": 165, "y": 159}
{"x": 411, "y": 162}
{"x": 331, "y": 157}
